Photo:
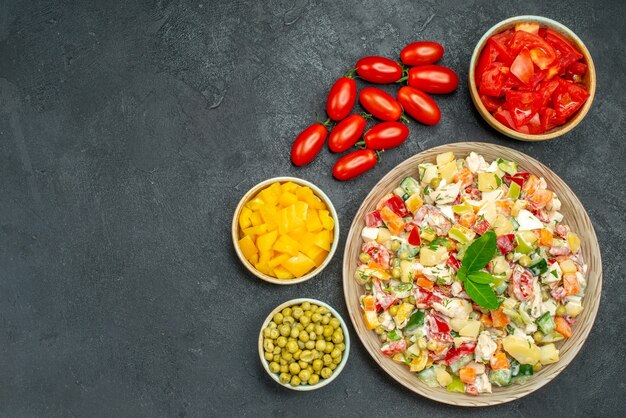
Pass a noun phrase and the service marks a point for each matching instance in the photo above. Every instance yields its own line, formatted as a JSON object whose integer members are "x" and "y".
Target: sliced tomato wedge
{"x": 534, "y": 125}
{"x": 493, "y": 79}
{"x": 523, "y": 67}
{"x": 487, "y": 57}
{"x": 541, "y": 52}
{"x": 501, "y": 44}
{"x": 491, "y": 103}
{"x": 577, "y": 67}
{"x": 568, "y": 98}
{"x": 546, "y": 91}
{"x": 523, "y": 105}
{"x": 550, "y": 120}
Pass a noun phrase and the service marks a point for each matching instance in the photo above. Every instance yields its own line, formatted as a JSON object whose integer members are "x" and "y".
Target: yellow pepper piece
{"x": 313, "y": 223}
{"x": 371, "y": 319}
{"x": 263, "y": 268}
{"x": 256, "y": 219}
{"x": 270, "y": 194}
{"x": 326, "y": 219}
{"x": 278, "y": 259}
{"x": 264, "y": 242}
{"x": 256, "y": 230}
{"x": 306, "y": 194}
{"x": 413, "y": 203}
{"x": 287, "y": 199}
{"x": 574, "y": 242}
{"x": 299, "y": 265}
{"x": 255, "y": 203}
{"x": 289, "y": 187}
{"x": 286, "y": 244}
{"x": 247, "y": 247}
{"x": 323, "y": 239}
{"x": 282, "y": 273}
{"x": 244, "y": 218}
{"x": 301, "y": 211}
{"x": 270, "y": 216}
{"x": 319, "y": 258}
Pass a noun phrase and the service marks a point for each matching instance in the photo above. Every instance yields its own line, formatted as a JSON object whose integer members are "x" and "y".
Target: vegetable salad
{"x": 469, "y": 274}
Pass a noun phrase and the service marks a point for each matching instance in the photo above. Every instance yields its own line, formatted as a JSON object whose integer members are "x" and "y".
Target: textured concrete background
{"x": 129, "y": 131}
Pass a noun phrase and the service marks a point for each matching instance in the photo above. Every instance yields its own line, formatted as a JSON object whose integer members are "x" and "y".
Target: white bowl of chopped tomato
{"x": 532, "y": 78}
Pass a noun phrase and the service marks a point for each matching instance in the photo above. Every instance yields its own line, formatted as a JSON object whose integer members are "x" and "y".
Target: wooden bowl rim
{"x": 499, "y": 395}
{"x": 346, "y": 341}
{"x": 562, "y": 29}
{"x": 235, "y": 230}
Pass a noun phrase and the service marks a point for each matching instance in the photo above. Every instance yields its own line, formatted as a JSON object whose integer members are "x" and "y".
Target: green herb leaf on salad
{"x": 480, "y": 252}
{"x": 482, "y": 294}
{"x": 476, "y": 282}
{"x": 480, "y": 277}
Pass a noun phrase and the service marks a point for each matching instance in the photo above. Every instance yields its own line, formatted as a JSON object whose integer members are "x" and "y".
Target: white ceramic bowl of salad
{"x": 472, "y": 274}
{"x": 336, "y": 367}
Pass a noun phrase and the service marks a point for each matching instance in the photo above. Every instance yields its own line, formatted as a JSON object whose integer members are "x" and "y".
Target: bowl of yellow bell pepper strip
{"x": 285, "y": 230}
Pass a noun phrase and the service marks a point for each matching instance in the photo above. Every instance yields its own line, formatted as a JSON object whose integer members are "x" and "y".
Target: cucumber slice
{"x": 410, "y": 185}
{"x": 509, "y": 167}
{"x": 514, "y": 191}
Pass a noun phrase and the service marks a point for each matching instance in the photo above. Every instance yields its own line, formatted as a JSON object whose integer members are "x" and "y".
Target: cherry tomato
{"x": 346, "y": 133}
{"x": 379, "y": 70}
{"x": 421, "y": 53}
{"x": 433, "y": 79}
{"x": 308, "y": 144}
{"x": 419, "y": 105}
{"x": 341, "y": 98}
{"x": 380, "y": 104}
{"x": 354, "y": 164}
{"x": 386, "y": 135}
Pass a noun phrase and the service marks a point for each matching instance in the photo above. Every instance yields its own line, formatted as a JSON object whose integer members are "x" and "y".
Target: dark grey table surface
{"x": 130, "y": 130}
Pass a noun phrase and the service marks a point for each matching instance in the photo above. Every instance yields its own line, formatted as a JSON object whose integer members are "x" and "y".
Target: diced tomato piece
{"x": 492, "y": 80}
{"x": 505, "y": 243}
{"x": 487, "y": 57}
{"x": 546, "y": 90}
{"x": 373, "y": 219}
{"x": 491, "y": 103}
{"x": 396, "y": 204}
{"x": 481, "y": 227}
{"x": 378, "y": 253}
{"x": 534, "y": 125}
{"x": 438, "y": 328}
{"x": 550, "y": 120}
{"x": 393, "y": 347}
{"x": 579, "y": 68}
{"x": 501, "y": 42}
{"x": 384, "y": 300}
{"x": 414, "y": 236}
{"x": 456, "y": 353}
{"x": 566, "y": 53}
{"x": 504, "y": 117}
{"x": 540, "y": 51}
{"x": 453, "y": 262}
{"x": 568, "y": 98}
{"x": 523, "y": 67}
{"x": 523, "y": 287}
{"x": 523, "y": 105}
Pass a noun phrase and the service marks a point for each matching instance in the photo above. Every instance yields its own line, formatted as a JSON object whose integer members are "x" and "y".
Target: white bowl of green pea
{"x": 304, "y": 344}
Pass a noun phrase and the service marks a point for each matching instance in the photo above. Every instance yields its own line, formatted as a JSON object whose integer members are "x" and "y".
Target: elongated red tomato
{"x": 421, "y": 53}
{"x": 386, "y": 135}
{"x": 341, "y": 98}
{"x": 308, "y": 144}
{"x": 346, "y": 133}
{"x": 380, "y": 104}
{"x": 354, "y": 164}
{"x": 433, "y": 79}
{"x": 379, "y": 70}
{"x": 419, "y": 105}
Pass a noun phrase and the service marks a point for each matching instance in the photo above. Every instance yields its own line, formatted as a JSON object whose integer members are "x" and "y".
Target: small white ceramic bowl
{"x": 235, "y": 229}
{"x": 346, "y": 341}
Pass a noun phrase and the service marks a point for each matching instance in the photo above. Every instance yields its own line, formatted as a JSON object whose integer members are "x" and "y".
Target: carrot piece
{"x": 563, "y": 327}
{"x": 467, "y": 375}
{"x": 393, "y": 221}
{"x": 486, "y": 320}
{"x": 504, "y": 207}
{"x": 499, "y": 362}
{"x": 467, "y": 219}
{"x": 499, "y": 319}
{"x": 425, "y": 283}
{"x": 570, "y": 283}
{"x": 531, "y": 185}
{"x": 545, "y": 238}
{"x": 465, "y": 176}
{"x": 541, "y": 198}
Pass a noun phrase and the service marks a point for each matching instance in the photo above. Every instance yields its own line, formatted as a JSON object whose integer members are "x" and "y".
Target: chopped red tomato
{"x": 568, "y": 98}
{"x": 378, "y": 253}
{"x": 493, "y": 79}
{"x": 550, "y": 120}
{"x": 505, "y": 243}
{"x": 455, "y": 353}
{"x": 481, "y": 227}
{"x": 414, "y": 237}
{"x": 523, "y": 105}
{"x": 487, "y": 57}
{"x": 453, "y": 262}
{"x": 500, "y": 42}
{"x": 546, "y": 91}
{"x": 534, "y": 125}
{"x": 540, "y": 51}
{"x": 393, "y": 347}
{"x": 438, "y": 328}
{"x": 577, "y": 67}
{"x": 491, "y": 103}
{"x": 566, "y": 53}
{"x": 523, "y": 68}
{"x": 396, "y": 204}
{"x": 373, "y": 219}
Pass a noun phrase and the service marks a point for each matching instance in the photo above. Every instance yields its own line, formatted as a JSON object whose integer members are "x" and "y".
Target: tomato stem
{"x": 360, "y": 145}
{"x": 404, "y": 118}
{"x": 350, "y": 73}
{"x": 379, "y": 153}
{"x": 326, "y": 122}
{"x": 366, "y": 115}
{"x": 403, "y": 79}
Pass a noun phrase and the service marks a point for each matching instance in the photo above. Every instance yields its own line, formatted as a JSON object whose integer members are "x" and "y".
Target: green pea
{"x": 292, "y": 346}
{"x": 364, "y": 258}
{"x": 561, "y": 311}
{"x": 308, "y": 314}
{"x": 284, "y": 378}
{"x": 396, "y": 272}
{"x": 328, "y": 331}
{"x": 294, "y": 368}
{"x": 329, "y": 347}
{"x": 538, "y": 336}
{"x": 284, "y": 368}
{"x": 281, "y": 341}
{"x": 317, "y": 365}
{"x": 278, "y": 318}
{"x": 266, "y": 332}
{"x": 524, "y": 261}
{"x": 322, "y": 310}
{"x": 303, "y": 336}
{"x": 276, "y": 350}
{"x": 395, "y": 245}
{"x": 337, "y": 337}
{"x": 294, "y": 332}
{"x": 434, "y": 183}
{"x": 287, "y": 355}
{"x": 332, "y": 366}
{"x": 313, "y": 308}
{"x": 301, "y": 345}
{"x": 305, "y": 320}
{"x": 297, "y": 312}
{"x": 310, "y": 328}
{"x": 327, "y": 359}
{"x": 314, "y": 379}
{"x": 316, "y": 317}
{"x": 319, "y": 330}
{"x": 269, "y": 356}
{"x": 288, "y": 320}
{"x": 274, "y": 334}
{"x": 306, "y": 356}
{"x": 304, "y": 375}
{"x": 295, "y": 381}
{"x": 268, "y": 345}
{"x": 286, "y": 312}
{"x": 284, "y": 330}
{"x": 335, "y": 353}
{"x": 306, "y": 306}
{"x": 280, "y": 360}
{"x": 272, "y": 325}
{"x": 309, "y": 345}
{"x": 320, "y": 345}
{"x": 326, "y": 373}
{"x": 337, "y": 360}
{"x": 379, "y": 330}
{"x": 296, "y": 355}
{"x": 340, "y": 346}
{"x": 393, "y": 311}
{"x": 325, "y": 319}
{"x": 335, "y": 323}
